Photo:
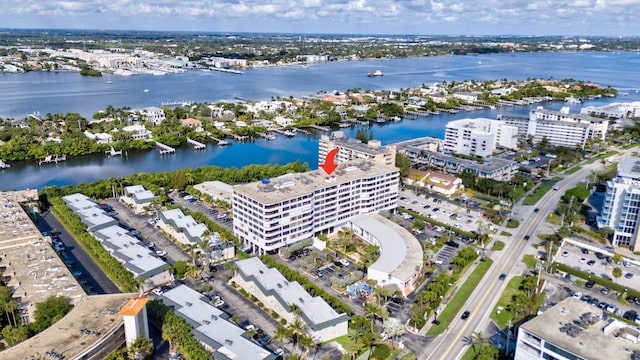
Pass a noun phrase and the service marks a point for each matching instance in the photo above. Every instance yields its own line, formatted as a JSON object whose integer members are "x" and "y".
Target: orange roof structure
{"x": 191, "y": 122}
{"x": 134, "y": 306}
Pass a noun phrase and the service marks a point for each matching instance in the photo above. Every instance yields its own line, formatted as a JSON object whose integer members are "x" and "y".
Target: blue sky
{"x": 467, "y": 17}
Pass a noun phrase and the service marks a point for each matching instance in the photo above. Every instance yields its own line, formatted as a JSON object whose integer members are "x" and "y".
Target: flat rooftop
{"x": 30, "y": 267}
{"x": 303, "y": 184}
{"x": 577, "y": 117}
{"x": 314, "y": 310}
{"x": 355, "y": 144}
{"x": 591, "y": 343}
{"x": 489, "y": 164}
{"x": 400, "y": 252}
{"x": 629, "y": 167}
{"x": 140, "y": 194}
{"x": 210, "y": 325}
{"x": 136, "y": 258}
{"x": 95, "y": 313}
{"x": 216, "y": 188}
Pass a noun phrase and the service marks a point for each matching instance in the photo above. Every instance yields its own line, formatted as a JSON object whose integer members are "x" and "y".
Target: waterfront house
{"x": 100, "y": 138}
{"x": 191, "y": 122}
{"x": 467, "y": 96}
{"x": 153, "y": 114}
{"x": 138, "y": 132}
{"x": 283, "y": 121}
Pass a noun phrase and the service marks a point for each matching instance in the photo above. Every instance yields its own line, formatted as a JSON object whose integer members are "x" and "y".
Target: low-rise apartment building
{"x": 138, "y": 198}
{"x": 273, "y": 213}
{"x": 184, "y": 228}
{"x": 479, "y": 137}
{"x": 282, "y": 296}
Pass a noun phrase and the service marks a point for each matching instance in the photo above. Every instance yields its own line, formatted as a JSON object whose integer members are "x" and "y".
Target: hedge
{"x": 107, "y": 263}
{"x": 308, "y": 285}
{"x": 598, "y": 280}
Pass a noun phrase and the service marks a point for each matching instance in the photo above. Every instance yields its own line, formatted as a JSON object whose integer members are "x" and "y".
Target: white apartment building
{"x": 621, "y": 208}
{"x": 479, "y": 137}
{"x": 353, "y": 149}
{"x": 576, "y": 330}
{"x": 614, "y": 110}
{"x": 561, "y": 128}
{"x": 272, "y": 213}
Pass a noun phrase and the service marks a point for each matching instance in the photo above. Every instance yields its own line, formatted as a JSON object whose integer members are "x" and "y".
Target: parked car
{"x": 589, "y": 284}
{"x": 398, "y": 300}
{"x": 605, "y": 291}
{"x": 161, "y": 253}
{"x": 628, "y": 275}
{"x": 344, "y": 262}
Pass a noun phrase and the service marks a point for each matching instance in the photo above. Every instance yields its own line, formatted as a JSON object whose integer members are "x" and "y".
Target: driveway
{"x": 74, "y": 252}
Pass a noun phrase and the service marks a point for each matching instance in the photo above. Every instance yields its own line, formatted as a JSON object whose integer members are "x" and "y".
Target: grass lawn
{"x": 573, "y": 170}
{"x": 504, "y": 233}
{"x": 513, "y": 224}
{"x": 469, "y": 354}
{"x": 530, "y": 261}
{"x": 460, "y": 298}
{"x": 629, "y": 146}
{"x": 535, "y": 196}
{"x": 557, "y": 178}
{"x": 505, "y": 315}
{"x": 345, "y": 342}
{"x": 607, "y": 154}
{"x": 498, "y": 245}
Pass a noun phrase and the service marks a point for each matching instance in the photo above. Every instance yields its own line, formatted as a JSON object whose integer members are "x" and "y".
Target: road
{"x": 451, "y": 345}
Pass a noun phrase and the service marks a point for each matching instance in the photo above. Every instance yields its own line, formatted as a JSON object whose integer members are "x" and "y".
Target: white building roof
{"x": 314, "y": 310}
{"x": 400, "y": 252}
{"x": 140, "y": 194}
{"x": 215, "y": 189}
{"x": 95, "y": 218}
{"x": 211, "y": 327}
{"x": 192, "y": 228}
{"x": 629, "y": 167}
{"x": 79, "y": 201}
{"x": 135, "y": 257}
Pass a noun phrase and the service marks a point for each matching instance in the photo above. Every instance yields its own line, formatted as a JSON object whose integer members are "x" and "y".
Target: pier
{"x": 266, "y": 136}
{"x": 51, "y": 159}
{"x": 287, "y": 133}
{"x": 321, "y": 128}
{"x": 302, "y": 131}
{"x": 196, "y": 145}
{"x": 113, "y": 152}
{"x": 418, "y": 113}
{"x": 221, "y": 142}
{"x": 165, "y": 149}
{"x": 241, "y": 138}
{"x": 182, "y": 103}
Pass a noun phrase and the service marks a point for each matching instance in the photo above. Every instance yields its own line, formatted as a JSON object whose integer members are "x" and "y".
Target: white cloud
{"x": 554, "y": 16}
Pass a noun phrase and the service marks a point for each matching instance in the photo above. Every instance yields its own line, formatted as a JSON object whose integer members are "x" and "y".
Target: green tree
{"x": 281, "y": 334}
{"x": 50, "y": 311}
{"x": 616, "y": 272}
{"x": 403, "y": 162}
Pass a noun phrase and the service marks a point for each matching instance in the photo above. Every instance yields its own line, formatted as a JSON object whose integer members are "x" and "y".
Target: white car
{"x": 565, "y": 253}
{"x": 344, "y": 262}
{"x": 161, "y": 253}
{"x": 219, "y": 303}
{"x": 278, "y": 352}
{"x": 583, "y": 260}
{"x": 577, "y": 295}
{"x": 157, "y": 291}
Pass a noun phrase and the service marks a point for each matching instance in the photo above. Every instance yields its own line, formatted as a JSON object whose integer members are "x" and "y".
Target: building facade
{"x": 273, "y": 213}
{"x": 479, "y": 137}
{"x": 621, "y": 208}
{"x": 354, "y": 149}
{"x": 282, "y": 296}
{"x": 562, "y": 128}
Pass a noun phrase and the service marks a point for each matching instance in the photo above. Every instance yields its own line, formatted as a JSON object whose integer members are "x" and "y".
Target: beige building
{"x": 434, "y": 181}
{"x": 354, "y": 149}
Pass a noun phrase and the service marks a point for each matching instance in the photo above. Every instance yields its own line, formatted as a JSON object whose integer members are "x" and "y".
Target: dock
{"x": 241, "y": 138}
{"x": 321, "y": 128}
{"x": 287, "y": 133}
{"x": 196, "y": 145}
{"x": 176, "y": 103}
{"x": 51, "y": 159}
{"x": 302, "y": 131}
{"x": 113, "y": 152}
{"x": 266, "y": 136}
{"x": 418, "y": 113}
{"x": 165, "y": 149}
{"x": 221, "y": 142}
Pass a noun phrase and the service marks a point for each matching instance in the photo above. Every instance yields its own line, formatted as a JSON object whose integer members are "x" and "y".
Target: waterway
{"x": 70, "y": 92}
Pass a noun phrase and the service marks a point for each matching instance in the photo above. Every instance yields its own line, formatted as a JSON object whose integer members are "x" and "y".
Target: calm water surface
{"x": 70, "y": 92}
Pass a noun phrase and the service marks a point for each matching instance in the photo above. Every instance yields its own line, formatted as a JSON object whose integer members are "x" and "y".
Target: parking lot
{"x": 443, "y": 210}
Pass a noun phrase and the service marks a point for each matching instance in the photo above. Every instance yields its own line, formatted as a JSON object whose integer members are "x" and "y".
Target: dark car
{"x": 630, "y": 315}
{"x": 591, "y": 262}
{"x": 453, "y": 244}
{"x": 502, "y": 276}
{"x": 599, "y": 255}
{"x": 527, "y": 237}
{"x": 536, "y": 210}
{"x": 398, "y": 300}
{"x": 465, "y": 315}
{"x": 585, "y": 251}
{"x": 589, "y": 284}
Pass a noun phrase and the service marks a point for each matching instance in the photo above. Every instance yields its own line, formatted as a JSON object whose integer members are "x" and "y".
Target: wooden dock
{"x": 287, "y": 133}
{"x": 165, "y": 149}
{"x": 266, "y": 136}
{"x": 221, "y": 142}
{"x": 302, "y": 131}
{"x": 321, "y": 128}
{"x": 241, "y": 138}
{"x": 196, "y": 145}
{"x": 51, "y": 159}
{"x": 418, "y": 113}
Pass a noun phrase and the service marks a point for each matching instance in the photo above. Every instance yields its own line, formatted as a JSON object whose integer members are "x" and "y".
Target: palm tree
{"x": 296, "y": 330}
{"x": 192, "y": 271}
{"x": 281, "y": 334}
{"x": 370, "y": 311}
{"x": 308, "y": 343}
{"x": 191, "y": 249}
{"x": 477, "y": 339}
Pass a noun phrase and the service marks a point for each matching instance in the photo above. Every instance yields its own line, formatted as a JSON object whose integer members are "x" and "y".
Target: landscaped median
{"x": 460, "y": 298}
{"x": 537, "y": 194}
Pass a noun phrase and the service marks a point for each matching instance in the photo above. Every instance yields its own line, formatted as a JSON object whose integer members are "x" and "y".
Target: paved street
{"x": 95, "y": 277}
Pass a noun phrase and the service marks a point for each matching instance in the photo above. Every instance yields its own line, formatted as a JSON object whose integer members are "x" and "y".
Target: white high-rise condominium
{"x": 621, "y": 208}
{"x": 272, "y": 213}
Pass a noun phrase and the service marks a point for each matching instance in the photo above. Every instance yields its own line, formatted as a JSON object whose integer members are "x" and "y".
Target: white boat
{"x": 4, "y": 165}
{"x": 146, "y": 90}
{"x": 375, "y": 73}
{"x": 572, "y": 100}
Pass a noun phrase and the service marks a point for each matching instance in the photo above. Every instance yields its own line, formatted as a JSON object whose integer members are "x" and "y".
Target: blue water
{"x": 69, "y": 92}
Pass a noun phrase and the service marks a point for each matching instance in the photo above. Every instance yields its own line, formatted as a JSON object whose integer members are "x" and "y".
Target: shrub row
{"x": 436, "y": 222}
{"x": 598, "y": 280}
{"x": 107, "y": 263}
{"x": 308, "y": 285}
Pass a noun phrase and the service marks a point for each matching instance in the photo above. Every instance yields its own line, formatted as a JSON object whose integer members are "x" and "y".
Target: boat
{"x": 375, "y": 73}
{"x": 109, "y": 79}
{"x": 4, "y": 165}
{"x": 146, "y": 90}
{"x": 572, "y": 100}
{"x": 289, "y": 133}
